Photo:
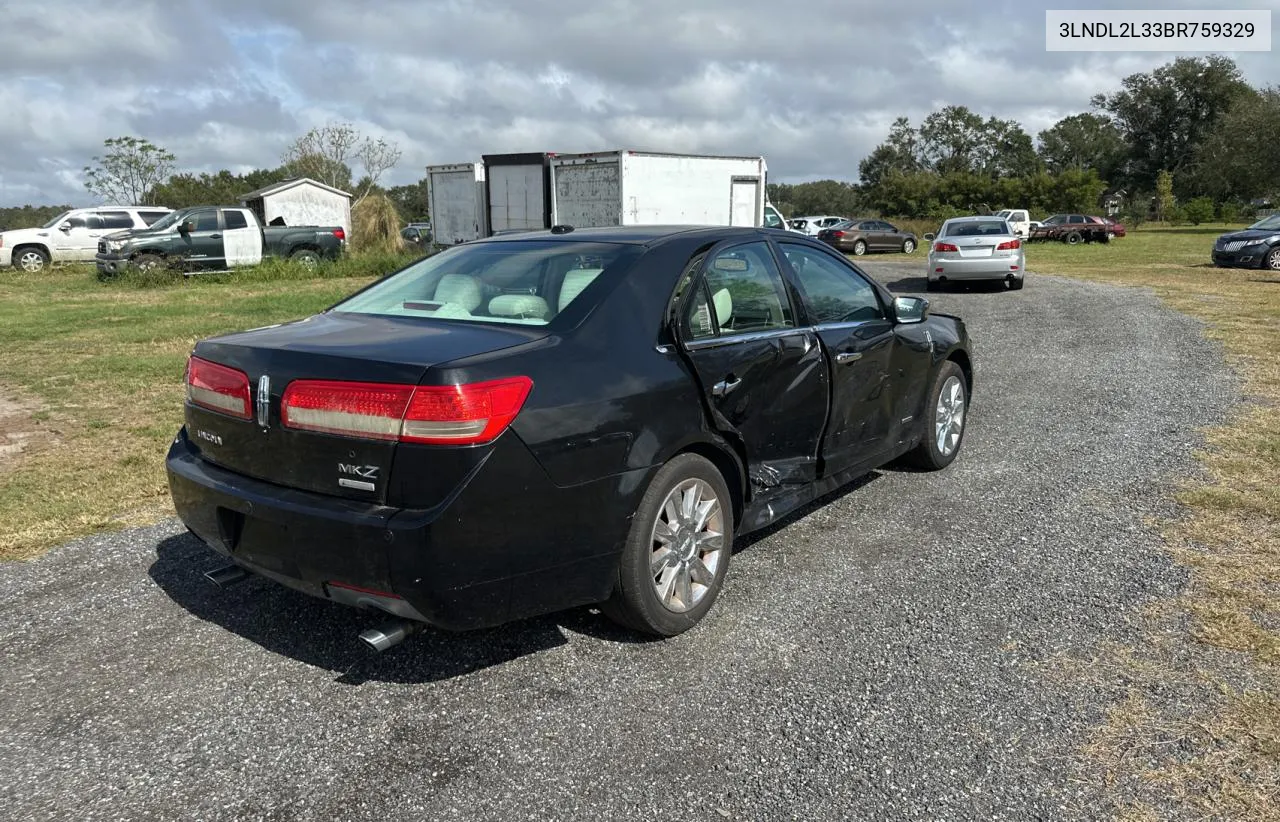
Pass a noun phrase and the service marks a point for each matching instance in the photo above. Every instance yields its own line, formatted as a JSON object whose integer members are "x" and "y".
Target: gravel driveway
{"x": 895, "y": 653}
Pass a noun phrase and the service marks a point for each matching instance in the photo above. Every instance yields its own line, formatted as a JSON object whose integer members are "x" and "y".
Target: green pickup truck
{"x": 207, "y": 238}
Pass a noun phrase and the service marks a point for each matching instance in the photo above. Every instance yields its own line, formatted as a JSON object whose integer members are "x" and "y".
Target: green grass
{"x": 103, "y": 363}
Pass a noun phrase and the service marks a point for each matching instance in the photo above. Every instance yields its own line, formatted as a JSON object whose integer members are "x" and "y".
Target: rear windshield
{"x": 976, "y": 228}
{"x": 526, "y": 282}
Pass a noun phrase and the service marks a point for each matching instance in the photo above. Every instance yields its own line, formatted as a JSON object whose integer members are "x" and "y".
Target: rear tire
{"x": 945, "y": 415}
{"x": 306, "y": 258}
{"x": 31, "y": 259}
{"x": 677, "y": 553}
{"x": 1015, "y": 284}
{"x": 859, "y": 248}
{"x": 1073, "y": 238}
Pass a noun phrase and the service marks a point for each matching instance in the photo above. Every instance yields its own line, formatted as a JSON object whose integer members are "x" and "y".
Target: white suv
{"x": 71, "y": 236}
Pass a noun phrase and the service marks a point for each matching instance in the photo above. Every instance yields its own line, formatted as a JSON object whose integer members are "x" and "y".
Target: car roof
{"x": 635, "y": 234}
{"x": 973, "y": 218}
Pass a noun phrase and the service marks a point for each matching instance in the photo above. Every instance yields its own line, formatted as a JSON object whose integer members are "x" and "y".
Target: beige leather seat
{"x": 722, "y": 300}
{"x": 520, "y": 307}
{"x": 575, "y": 280}
{"x": 459, "y": 290}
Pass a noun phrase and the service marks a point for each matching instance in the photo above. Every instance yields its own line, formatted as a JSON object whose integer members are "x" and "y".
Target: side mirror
{"x": 931, "y": 236}
{"x": 910, "y": 309}
{"x": 65, "y": 227}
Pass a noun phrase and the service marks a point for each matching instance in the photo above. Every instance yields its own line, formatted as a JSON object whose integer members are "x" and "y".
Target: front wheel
{"x": 147, "y": 262}
{"x": 677, "y": 552}
{"x": 31, "y": 259}
{"x": 1272, "y": 260}
{"x": 908, "y": 246}
{"x": 859, "y": 248}
{"x": 946, "y": 409}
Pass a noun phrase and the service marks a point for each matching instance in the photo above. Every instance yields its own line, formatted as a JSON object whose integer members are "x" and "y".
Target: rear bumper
{"x": 506, "y": 545}
{"x": 983, "y": 268}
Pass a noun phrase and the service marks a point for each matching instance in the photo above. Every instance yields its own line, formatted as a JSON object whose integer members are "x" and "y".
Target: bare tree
{"x": 326, "y": 154}
{"x": 128, "y": 171}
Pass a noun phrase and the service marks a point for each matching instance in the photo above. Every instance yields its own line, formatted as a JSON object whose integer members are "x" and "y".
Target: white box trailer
{"x": 456, "y": 200}
{"x": 627, "y": 187}
{"x": 518, "y": 188}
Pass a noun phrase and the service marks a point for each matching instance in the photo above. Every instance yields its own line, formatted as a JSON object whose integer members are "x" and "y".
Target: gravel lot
{"x": 895, "y": 653}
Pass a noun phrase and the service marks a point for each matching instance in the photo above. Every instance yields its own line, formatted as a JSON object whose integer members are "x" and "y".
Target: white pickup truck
{"x": 71, "y": 236}
{"x": 1019, "y": 219}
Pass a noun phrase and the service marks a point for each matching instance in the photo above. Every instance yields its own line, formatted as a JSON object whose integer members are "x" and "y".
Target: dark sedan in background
{"x": 1257, "y": 246}
{"x": 860, "y": 236}
{"x": 528, "y": 423}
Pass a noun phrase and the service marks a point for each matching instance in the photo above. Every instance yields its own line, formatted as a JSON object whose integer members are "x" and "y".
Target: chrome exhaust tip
{"x": 227, "y": 575}
{"x": 389, "y": 635}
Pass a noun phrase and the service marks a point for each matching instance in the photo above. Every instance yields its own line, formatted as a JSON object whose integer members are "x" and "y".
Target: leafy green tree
{"x": 950, "y": 139}
{"x": 1165, "y": 201}
{"x": 1167, "y": 114}
{"x": 327, "y": 154}
{"x": 127, "y": 170}
{"x": 1199, "y": 210}
{"x": 1081, "y": 141}
{"x": 1238, "y": 160}
{"x": 220, "y": 188}
{"x": 411, "y": 200}
{"x": 900, "y": 152}
{"x": 29, "y": 216}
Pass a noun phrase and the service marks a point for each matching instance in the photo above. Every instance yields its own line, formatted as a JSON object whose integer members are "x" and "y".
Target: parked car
{"x": 215, "y": 238}
{"x": 1019, "y": 219}
{"x": 496, "y": 432}
{"x": 976, "y": 248}
{"x": 1257, "y": 246}
{"x": 72, "y": 236}
{"x": 861, "y": 235}
{"x": 418, "y": 234}
{"x": 1070, "y": 229}
{"x": 1115, "y": 228}
{"x": 812, "y": 225}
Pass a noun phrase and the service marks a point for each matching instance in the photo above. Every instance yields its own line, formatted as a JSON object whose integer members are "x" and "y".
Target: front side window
{"x": 833, "y": 293}
{"x": 204, "y": 220}
{"x": 527, "y": 282}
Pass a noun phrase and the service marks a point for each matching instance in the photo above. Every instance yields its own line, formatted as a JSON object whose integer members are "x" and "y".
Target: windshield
{"x": 56, "y": 220}
{"x": 1271, "y": 223}
{"x": 976, "y": 228}
{"x": 168, "y": 220}
{"x": 527, "y": 282}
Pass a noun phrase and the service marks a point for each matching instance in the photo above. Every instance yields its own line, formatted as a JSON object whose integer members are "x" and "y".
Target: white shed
{"x": 301, "y": 201}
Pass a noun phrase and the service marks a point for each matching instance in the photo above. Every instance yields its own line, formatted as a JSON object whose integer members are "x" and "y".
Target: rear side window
{"x": 746, "y": 293}
{"x": 234, "y": 219}
{"x": 526, "y": 282}
{"x": 115, "y": 219}
{"x": 150, "y": 217}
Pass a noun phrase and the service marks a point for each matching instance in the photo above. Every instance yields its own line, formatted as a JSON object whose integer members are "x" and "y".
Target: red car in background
{"x": 1115, "y": 228}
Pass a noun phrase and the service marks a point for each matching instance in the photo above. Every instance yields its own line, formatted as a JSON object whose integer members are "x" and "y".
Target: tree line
{"x": 1185, "y": 141}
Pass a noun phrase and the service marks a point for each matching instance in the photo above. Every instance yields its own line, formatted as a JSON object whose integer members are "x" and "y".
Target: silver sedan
{"x": 976, "y": 248}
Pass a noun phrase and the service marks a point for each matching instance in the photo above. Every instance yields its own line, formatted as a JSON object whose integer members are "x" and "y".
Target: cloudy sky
{"x": 811, "y": 85}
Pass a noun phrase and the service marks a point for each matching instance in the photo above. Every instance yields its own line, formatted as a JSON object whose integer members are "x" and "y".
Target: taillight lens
{"x": 837, "y": 234}
{"x": 944, "y": 247}
{"x": 218, "y": 388}
{"x": 341, "y": 234}
{"x": 1009, "y": 246}
{"x": 469, "y": 414}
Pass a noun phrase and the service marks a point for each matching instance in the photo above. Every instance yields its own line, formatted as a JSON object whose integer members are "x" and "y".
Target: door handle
{"x": 725, "y": 386}
{"x": 848, "y": 356}
{"x": 215, "y": 236}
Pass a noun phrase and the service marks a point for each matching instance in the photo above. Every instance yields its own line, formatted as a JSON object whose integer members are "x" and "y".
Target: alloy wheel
{"x": 949, "y": 420}
{"x": 687, "y": 545}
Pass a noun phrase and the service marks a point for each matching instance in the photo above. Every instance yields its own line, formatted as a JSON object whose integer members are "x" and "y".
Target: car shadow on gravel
{"x": 920, "y": 285}
{"x": 324, "y": 634}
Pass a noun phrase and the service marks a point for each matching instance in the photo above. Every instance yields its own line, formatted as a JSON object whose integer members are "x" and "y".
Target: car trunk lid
{"x": 372, "y": 351}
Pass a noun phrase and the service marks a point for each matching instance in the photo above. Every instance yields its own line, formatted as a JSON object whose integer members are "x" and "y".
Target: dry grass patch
{"x": 1213, "y": 750}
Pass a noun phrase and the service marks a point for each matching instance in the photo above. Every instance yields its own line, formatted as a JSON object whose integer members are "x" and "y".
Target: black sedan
{"x": 524, "y": 424}
{"x": 1257, "y": 246}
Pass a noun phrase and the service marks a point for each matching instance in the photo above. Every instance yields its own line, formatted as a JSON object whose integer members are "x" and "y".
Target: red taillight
{"x": 944, "y": 247}
{"x": 1009, "y": 246}
{"x": 837, "y": 234}
{"x": 218, "y": 388}
{"x": 340, "y": 233}
{"x": 468, "y": 414}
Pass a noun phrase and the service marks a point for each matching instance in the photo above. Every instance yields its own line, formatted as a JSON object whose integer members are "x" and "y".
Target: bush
{"x": 1199, "y": 210}
{"x": 375, "y": 225}
{"x": 1229, "y": 212}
